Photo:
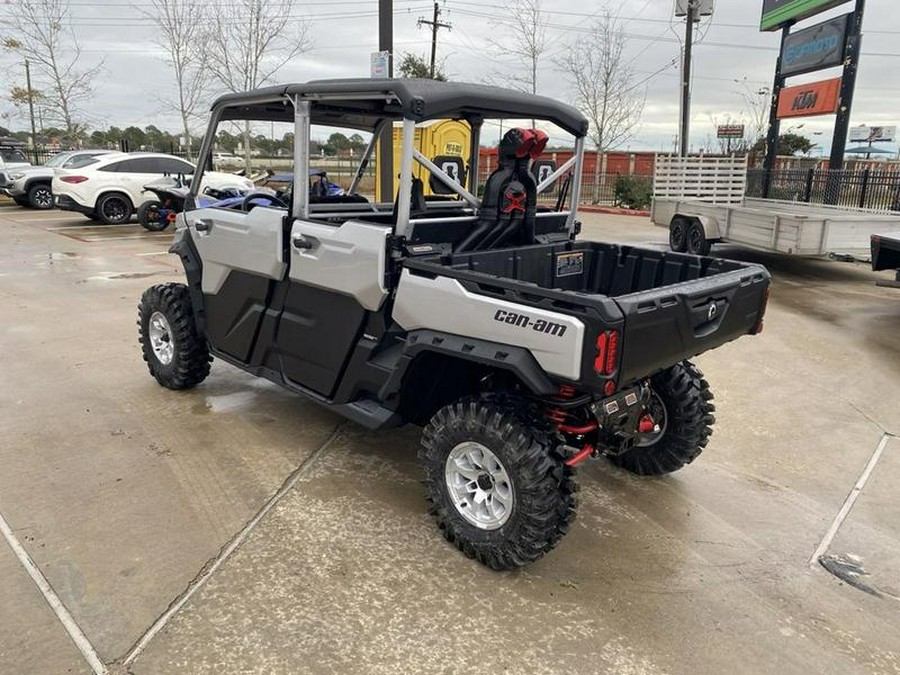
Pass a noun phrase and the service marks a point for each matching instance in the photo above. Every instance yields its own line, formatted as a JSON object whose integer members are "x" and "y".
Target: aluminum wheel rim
{"x": 479, "y": 486}
{"x": 657, "y": 410}
{"x": 114, "y": 209}
{"x": 43, "y": 198}
{"x": 161, "y": 341}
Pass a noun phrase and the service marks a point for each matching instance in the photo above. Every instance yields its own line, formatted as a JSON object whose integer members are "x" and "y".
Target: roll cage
{"x": 374, "y": 106}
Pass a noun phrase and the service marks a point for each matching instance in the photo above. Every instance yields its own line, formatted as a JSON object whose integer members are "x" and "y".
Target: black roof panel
{"x": 418, "y": 99}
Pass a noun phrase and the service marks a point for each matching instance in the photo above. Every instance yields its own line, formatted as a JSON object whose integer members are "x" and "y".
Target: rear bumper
{"x": 66, "y": 203}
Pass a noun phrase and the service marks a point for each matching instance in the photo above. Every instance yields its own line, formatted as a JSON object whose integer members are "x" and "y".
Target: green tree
{"x": 413, "y": 65}
{"x": 788, "y": 145}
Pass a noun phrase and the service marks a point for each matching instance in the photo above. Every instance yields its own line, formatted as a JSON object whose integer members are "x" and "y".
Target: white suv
{"x": 112, "y": 188}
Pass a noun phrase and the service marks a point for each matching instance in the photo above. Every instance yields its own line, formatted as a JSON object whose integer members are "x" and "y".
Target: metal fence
{"x": 874, "y": 189}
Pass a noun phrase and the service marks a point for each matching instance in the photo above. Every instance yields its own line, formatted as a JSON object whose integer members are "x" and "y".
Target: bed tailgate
{"x": 672, "y": 323}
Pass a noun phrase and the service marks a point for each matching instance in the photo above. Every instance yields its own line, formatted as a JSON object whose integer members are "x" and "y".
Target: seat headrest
{"x": 520, "y": 143}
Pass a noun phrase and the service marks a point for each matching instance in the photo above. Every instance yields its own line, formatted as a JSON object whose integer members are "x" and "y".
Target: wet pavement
{"x": 141, "y": 506}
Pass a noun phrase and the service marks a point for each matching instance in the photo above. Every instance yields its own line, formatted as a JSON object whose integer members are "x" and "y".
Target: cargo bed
{"x": 668, "y": 306}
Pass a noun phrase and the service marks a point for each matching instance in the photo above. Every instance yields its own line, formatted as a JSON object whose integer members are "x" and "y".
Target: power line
{"x": 436, "y": 25}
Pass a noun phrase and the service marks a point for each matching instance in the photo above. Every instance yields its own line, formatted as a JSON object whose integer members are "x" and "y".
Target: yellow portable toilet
{"x": 447, "y": 141}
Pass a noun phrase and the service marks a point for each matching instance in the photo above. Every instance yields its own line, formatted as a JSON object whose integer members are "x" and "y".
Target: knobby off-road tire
{"x": 149, "y": 216}
{"x": 687, "y": 425}
{"x": 175, "y": 354}
{"x": 524, "y": 460}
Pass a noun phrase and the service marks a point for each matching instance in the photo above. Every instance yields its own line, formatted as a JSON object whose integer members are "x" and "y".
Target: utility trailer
{"x": 886, "y": 256}
{"x": 701, "y": 201}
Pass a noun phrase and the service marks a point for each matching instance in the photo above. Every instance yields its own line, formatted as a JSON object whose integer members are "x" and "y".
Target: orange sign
{"x": 805, "y": 100}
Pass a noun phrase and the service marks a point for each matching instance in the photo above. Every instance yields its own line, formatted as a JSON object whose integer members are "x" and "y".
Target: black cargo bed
{"x": 659, "y": 300}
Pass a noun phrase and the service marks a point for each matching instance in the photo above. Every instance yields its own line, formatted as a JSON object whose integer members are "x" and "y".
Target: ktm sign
{"x": 806, "y": 100}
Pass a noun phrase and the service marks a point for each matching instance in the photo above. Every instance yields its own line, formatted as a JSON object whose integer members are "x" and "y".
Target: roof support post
{"x": 300, "y": 193}
{"x": 404, "y": 201}
{"x": 576, "y": 183}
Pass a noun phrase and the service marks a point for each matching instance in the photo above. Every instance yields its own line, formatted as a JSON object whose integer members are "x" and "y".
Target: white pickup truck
{"x": 701, "y": 201}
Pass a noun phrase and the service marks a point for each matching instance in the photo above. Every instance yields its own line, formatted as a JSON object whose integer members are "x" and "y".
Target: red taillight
{"x": 607, "y": 352}
{"x": 612, "y": 352}
{"x": 73, "y": 179}
{"x": 600, "y": 361}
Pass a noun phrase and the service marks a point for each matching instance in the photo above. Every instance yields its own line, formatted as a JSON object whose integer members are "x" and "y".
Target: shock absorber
{"x": 561, "y": 411}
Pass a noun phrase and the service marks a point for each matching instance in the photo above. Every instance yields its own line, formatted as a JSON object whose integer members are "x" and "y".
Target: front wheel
{"x": 496, "y": 481}
{"x": 680, "y": 419}
{"x": 175, "y": 353}
{"x": 150, "y": 216}
{"x": 40, "y": 196}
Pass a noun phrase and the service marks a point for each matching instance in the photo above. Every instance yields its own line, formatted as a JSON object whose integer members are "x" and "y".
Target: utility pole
{"x": 386, "y": 143}
{"x": 30, "y": 102}
{"x": 686, "y": 78}
{"x": 435, "y": 26}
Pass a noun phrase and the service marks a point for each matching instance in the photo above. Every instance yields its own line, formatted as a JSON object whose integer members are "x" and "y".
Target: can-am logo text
{"x": 525, "y": 321}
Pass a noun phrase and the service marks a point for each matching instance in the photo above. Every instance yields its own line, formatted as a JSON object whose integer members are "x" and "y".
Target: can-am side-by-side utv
{"x": 520, "y": 349}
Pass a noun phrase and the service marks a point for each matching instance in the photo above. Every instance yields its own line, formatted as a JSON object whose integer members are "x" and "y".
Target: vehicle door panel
{"x": 336, "y": 276}
{"x": 242, "y": 260}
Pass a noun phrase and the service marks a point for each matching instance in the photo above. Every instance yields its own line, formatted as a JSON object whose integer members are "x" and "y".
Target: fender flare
{"x": 516, "y": 360}
{"x": 710, "y": 224}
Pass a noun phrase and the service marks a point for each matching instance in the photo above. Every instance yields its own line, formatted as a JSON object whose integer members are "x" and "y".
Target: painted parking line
{"x": 841, "y": 516}
{"x": 62, "y": 613}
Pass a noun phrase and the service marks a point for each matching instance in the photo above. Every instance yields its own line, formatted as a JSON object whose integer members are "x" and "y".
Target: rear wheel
{"x": 40, "y": 196}
{"x": 497, "y": 483}
{"x": 114, "y": 208}
{"x": 175, "y": 353}
{"x": 697, "y": 243}
{"x": 678, "y": 235}
{"x": 150, "y": 216}
{"x": 680, "y": 413}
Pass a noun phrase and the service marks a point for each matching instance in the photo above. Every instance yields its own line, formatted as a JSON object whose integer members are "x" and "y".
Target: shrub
{"x": 633, "y": 192}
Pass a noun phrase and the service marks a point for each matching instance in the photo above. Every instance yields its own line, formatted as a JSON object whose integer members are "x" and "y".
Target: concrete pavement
{"x": 125, "y": 493}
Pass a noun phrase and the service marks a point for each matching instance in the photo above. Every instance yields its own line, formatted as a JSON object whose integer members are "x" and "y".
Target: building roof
{"x": 362, "y": 102}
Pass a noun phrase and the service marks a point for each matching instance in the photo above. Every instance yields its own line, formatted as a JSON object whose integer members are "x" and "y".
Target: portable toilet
{"x": 444, "y": 142}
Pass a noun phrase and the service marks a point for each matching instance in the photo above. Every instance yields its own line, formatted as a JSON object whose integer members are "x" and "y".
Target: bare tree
{"x": 40, "y": 31}
{"x": 524, "y": 40}
{"x": 757, "y": 102}
{"x": 603, "y": 86}
{"x": 180, "y": 32}
{"x": 249, "y": 41}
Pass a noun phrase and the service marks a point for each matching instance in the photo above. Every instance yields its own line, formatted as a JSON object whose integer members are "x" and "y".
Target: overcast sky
{"x": 344, "y": 34}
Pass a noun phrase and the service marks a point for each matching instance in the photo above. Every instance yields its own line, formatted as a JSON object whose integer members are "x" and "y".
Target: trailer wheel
{"x": 176, "y": 355}
{"x": 678, "y": 234}
{"x": 681, "y": 407}
{"x": 496, "y": 481}
{"x": 697, "y": 243}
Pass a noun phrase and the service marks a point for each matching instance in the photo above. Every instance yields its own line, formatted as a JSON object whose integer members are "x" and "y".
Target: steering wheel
{"x": 250, "y": 197}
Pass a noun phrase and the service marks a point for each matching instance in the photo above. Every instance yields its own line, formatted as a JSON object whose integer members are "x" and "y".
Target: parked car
{"x": 30, "y": 186}
{"x": 112, "y": 188}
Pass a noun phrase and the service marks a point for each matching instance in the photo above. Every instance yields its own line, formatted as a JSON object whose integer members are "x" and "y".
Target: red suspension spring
{"x": 560, "y": 417}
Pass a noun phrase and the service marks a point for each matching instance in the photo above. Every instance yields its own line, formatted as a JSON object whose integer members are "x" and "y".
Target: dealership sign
{"x": 806, "y": 100}
{"x": 776, "y": 13}
{"x": 864, "y": 134}
{"x": 730, "y": 131}
{"x": 815, "y": 48}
